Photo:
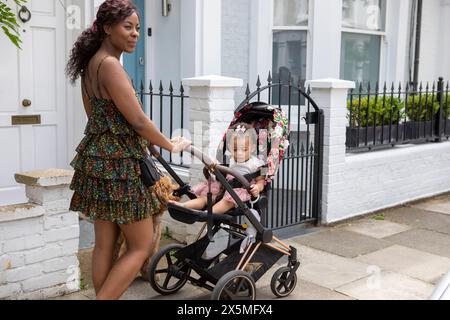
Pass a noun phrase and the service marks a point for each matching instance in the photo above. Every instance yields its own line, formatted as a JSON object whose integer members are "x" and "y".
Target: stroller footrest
{"x": 191, "y": 216}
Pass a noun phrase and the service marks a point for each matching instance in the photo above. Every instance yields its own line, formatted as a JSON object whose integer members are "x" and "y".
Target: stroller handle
{"x": 211, "y": 165}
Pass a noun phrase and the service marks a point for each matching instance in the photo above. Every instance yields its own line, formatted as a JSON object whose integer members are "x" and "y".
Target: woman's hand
{"x": 179, "y": 144}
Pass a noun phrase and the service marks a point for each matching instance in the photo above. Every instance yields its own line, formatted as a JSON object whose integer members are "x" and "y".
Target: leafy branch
{"x": 9, "y": 23}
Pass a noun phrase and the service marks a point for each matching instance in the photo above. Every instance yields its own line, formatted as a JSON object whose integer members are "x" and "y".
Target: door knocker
{"x": 24, "y": 14}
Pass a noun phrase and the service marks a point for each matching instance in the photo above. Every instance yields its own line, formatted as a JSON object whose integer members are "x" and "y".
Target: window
{"x": 290, "y": 27}
{"x": 363, "y": 23}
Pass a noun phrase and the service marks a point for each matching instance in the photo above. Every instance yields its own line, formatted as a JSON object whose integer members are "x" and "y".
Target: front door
{"x": 134, "y": 63}
{"x": 32, "y": 83}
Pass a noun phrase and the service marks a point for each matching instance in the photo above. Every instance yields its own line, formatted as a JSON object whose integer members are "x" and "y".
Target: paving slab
{"x": 141, "y": 290}
{"x": 424, "y": 240}
{"x": 438, "y": 204}
{"x": 414, "y": 263}
{"x": 420, "y": 218}
{"x": 328, "y": 270}
{"x": 343, "y": 243}
{"x": 387, "y": 286}
{"x": 304, "y": 291}
{"x": 72, "y": 296}
{"x": 378, "y": 229}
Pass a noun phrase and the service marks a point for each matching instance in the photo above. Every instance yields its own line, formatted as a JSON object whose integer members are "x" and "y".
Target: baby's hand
{"x": 254, "y": 190}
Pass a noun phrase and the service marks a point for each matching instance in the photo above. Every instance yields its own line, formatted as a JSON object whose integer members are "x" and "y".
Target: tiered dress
{"x": 106, "y": 182}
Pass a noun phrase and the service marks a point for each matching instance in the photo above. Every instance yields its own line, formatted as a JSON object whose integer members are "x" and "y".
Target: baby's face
{"x": 241, "y": 149}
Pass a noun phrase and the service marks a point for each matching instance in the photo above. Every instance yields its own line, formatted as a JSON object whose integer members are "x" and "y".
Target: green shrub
{"x": 386, "y": 111}
{"x": 425, "y": 107}
{"x": 380, "y": 113}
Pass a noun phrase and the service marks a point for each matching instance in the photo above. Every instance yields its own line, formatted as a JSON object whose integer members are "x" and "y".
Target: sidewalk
{"x": 400, "y": 253}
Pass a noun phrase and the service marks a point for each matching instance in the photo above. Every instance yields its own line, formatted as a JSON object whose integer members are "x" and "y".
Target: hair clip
{"x": 241, "y": 128}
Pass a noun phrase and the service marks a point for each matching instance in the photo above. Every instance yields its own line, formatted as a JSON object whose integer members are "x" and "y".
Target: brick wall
{"x": 39, "y": 242}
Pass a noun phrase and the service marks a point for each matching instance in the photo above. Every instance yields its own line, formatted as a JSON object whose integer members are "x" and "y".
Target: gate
{"x": 296, "y": 192}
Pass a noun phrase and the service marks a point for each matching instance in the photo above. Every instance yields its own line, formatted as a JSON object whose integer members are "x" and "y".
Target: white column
{"x": 331, "y": 96}
{"x": 445, "y": 52}
{"x": 201, "y": 40}
{"x": 212, "y": 106}
{"x": 326, "y": 38}
{"x": 396, "y": 42}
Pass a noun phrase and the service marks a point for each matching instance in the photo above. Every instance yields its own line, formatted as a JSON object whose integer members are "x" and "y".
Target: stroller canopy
{"x": 272, "y": 131}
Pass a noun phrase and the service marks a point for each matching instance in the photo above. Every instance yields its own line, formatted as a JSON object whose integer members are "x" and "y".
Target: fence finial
{"x": 258, "y": 83}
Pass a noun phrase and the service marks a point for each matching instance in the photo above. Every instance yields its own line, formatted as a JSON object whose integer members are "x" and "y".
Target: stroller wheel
{"x": 235, "y": 285}
{"x": 166, "y": 274}
{"x": 280, "y": 285}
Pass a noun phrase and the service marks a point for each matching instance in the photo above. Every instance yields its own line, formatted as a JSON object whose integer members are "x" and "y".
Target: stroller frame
{"x": 228, "y": 277}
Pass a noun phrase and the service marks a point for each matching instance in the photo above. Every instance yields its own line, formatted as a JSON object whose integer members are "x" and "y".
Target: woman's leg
{"x": 106, "y": 234}
{"x": 139, "y": 238}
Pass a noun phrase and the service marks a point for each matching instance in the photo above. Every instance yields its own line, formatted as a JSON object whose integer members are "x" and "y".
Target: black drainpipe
{"x": 418, "y": 38}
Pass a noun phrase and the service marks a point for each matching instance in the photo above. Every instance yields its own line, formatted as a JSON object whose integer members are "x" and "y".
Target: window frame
{"x": 383, "y": 43}
{"x": 306, "y": 29}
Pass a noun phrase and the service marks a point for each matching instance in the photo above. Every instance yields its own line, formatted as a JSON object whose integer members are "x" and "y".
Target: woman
{"x": 106, "y": 183}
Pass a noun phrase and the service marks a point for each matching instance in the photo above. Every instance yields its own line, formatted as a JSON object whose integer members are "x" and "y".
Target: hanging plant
{"x": 8, "y": 21}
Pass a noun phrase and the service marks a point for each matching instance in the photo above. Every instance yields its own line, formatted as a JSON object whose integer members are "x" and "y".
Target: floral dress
{"x": 106, "y": 182}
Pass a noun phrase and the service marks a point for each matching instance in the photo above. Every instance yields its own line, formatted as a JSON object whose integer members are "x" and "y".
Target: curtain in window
{"x": 290, "y": 13}
{"x": 364, "y": 14}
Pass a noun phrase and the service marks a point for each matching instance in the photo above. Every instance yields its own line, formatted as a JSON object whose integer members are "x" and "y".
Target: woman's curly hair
{"x": 109, "y": 13}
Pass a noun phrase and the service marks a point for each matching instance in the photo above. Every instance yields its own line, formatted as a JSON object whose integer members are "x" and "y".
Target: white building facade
{"x": 358, "y": 40}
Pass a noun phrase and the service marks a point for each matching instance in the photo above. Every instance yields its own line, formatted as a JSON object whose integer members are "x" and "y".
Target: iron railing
{"x": 169, "y": 112}
{"x": 389, "y": 116}
{"x": 295, "y": 196}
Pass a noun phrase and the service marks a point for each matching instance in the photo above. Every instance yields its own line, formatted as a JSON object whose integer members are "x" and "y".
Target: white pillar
{"x": 201, "y": 37}
{"x": 39, "y": 240}
{"x": 326, "y": 38}
{"x": 445, "y": 52}
{"x": 211, "y": 100}
{"x": 331, "y": 96}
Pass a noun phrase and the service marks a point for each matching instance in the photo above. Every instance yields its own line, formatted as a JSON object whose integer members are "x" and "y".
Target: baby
{"x": 241, "y": 144}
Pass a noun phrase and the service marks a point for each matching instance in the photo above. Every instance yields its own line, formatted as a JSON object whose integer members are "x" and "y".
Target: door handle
{"x": 26, "y": 103}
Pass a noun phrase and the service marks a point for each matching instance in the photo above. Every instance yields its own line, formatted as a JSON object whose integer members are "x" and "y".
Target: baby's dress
{"x": 252, "y": 165}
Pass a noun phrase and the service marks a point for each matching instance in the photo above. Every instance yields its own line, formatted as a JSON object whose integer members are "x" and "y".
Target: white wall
{"x": 383, "y": 179}
{"x": 430, "y": 64}
{"x": 445, "y": 39}
{"x": 356, "y": 184}
{"x": 235, "y": 41}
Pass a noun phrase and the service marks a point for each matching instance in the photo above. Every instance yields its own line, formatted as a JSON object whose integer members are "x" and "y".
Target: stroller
{"x": 248, "y": 250}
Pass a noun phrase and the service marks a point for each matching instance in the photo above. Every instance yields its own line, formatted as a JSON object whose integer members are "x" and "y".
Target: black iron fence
{"x": 389, "y": 116}
{"x": 169, "y": 111}
{"x": 295, "y": 195}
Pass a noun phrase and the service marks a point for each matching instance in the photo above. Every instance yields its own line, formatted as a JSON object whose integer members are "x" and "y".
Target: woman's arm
{"x": 115, "y": 80}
